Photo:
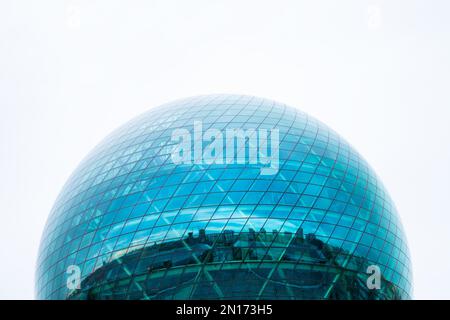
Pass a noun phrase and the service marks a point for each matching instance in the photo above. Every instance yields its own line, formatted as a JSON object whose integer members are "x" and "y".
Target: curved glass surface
{"x": 139, "y": 223}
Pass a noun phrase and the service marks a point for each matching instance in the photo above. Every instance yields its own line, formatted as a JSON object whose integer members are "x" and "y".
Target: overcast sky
{"x": 378, "y": 72}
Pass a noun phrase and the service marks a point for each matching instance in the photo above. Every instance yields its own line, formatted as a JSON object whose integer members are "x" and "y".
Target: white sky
{"x": 378, "y": 72}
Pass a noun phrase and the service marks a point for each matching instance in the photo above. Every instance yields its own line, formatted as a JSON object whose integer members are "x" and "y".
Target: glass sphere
{"x": 223, "y": 197}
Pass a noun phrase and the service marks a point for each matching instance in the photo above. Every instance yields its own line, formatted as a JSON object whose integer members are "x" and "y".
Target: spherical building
{"x": 223, "y": 197}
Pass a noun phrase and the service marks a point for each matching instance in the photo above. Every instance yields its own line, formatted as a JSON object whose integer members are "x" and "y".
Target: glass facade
{"x": 140, "y": 225}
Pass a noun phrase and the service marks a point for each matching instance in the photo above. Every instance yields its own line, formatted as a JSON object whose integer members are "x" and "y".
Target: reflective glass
{"x": 141, "y": 226}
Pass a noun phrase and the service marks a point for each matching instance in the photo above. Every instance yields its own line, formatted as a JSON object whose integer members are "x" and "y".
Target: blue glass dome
{"x": 223, "y": 197}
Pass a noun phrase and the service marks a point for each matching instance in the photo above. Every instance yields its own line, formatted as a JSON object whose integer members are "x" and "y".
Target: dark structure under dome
{"x": 148, "y": 216}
